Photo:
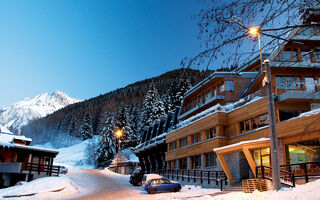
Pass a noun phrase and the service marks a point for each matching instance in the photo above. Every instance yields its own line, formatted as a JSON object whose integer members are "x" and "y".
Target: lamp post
{"x": 272, "y": 120}
{"x": 119, "y": 134}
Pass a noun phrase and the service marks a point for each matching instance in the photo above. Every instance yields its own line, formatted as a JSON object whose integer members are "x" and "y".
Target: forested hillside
{"x": 129, "y": 108}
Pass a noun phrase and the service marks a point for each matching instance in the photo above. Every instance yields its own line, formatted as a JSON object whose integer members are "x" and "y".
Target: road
{"x": 103, "y": 184}
{"x": 97, "y": 184}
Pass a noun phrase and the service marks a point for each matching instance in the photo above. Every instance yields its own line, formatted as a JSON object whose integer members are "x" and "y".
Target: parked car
{"x": 136, "y": 177}
{"x": 147, "y": 177}
{"x": 63, "y": 170}
{"x": 162, "y": 185}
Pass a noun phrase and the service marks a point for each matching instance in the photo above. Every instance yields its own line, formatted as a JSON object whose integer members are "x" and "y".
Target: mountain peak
{"x": 21, "y": 112}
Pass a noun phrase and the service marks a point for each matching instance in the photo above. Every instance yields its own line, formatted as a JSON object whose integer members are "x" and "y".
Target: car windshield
{"x": 164, "y": 181}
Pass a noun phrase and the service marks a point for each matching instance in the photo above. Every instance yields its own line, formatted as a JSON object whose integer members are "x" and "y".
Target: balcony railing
{"x": 50, "y": 170}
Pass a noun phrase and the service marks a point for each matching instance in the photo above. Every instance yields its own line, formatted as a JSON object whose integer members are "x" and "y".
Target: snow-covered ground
{"x": 85, "y": 184}
{"x": 71, "y": 186}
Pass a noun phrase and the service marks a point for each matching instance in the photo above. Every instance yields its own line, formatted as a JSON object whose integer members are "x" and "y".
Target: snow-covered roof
{"x": 9, "y": 138}
{"x": 240, "y": 143}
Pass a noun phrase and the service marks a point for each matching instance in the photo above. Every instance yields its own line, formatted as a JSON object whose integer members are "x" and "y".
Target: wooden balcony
{"x": 18, "y": 167}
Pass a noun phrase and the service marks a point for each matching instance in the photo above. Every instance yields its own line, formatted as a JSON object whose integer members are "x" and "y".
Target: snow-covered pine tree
{"x": 165, "y": 98}
{"x": 107, "y": 143}
{"x": 85, "y": 130}
{"x": 72, "y": 126}
{"x": 134, "y": 120}
{"x": 122, "y": 122}
{"x": 153, "y": 107}
{"x": 178, "y": 88}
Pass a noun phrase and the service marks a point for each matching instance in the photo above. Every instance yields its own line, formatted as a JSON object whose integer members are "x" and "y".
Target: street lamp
{"x": 119, "y": 134}
{"x": 272, "y": 119}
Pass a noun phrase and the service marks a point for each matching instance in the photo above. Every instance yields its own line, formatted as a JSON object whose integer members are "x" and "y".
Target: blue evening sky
{"x": 87, "y": 48}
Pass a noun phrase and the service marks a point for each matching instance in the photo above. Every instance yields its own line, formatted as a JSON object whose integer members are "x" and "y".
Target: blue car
{"x": 162, "y": 185}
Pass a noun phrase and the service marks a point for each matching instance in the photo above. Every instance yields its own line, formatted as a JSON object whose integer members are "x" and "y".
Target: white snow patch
{"x": 71, "y": 156}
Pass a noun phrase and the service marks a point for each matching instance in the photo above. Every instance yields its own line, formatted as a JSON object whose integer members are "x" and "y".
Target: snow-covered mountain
{"x": 20, "y": 113}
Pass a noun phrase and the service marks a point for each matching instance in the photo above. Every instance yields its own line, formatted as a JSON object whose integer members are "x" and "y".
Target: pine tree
{"x": 107, "y": 143}
{"x": 86, "y": 130}
{"x": 134, "y": 121}
{"x": 153, "y": 107}
{"x": 122, "y": 123}
{"x": 72, "y": 126}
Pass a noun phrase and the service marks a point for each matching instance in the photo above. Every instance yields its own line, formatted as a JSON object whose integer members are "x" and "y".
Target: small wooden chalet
{"x": 122, "y": 165}
{"x": 224, "y": 121}
{"x": 21, "y": 162}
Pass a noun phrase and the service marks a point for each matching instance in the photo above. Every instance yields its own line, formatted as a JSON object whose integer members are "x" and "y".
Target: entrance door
{"x": 262, "y": 157}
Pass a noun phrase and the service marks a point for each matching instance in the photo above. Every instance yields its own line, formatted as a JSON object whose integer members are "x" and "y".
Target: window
{"x": 172, "y": 145}
{"x": 287, "y": 114}
{"x": 262, "y": 157}
{"x": 316, "y": 56}
{"x": 221, "y": 87}
{"x": 254, "y": 123}
{"x": 203, "y": 98}
{"x": 263, "y": 120}
{"x": 306, "y": 56}
{"x": 173, "y": 164}
{"x": 257, "y": 122}
{"x": 196, "y": 138}
{"x": 164, "y": 181}
{"x": 289, "y": 55}
{"x": 155, "y": 182}
{"x": 195, "y": 162}
{"x": 210, "y": 159}
{"x": 224, "y": 130}
{"x": 210, "y": 133}
{"x": 213, "y": 92}
{"x": 184, "y": 142}
{"x": 208, "y": 95}
{"x": 183, "y": 163}
{"x": 229, "y": 85}
{"x": 288, "y": 82}
{"x": 247, "y": 124}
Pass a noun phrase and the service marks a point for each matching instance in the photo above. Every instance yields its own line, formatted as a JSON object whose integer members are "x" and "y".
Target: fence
{"x": 210, "y": 177}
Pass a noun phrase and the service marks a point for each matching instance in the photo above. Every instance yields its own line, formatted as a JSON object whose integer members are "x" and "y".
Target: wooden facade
{"x": 242, "y": 114}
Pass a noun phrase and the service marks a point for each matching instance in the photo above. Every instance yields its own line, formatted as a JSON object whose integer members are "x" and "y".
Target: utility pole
{"x": 273, "y": 130}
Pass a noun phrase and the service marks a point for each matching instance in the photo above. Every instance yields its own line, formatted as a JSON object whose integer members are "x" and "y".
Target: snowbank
{"x": 42, "y": 188}
{"x": 310, "y": 191}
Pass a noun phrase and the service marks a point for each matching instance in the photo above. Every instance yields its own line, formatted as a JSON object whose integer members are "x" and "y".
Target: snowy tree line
{"x": 130, "y": 108}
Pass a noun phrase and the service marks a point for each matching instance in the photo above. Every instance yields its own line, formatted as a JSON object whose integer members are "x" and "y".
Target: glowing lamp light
{"x": 118, "y": 133}
{"x": 253, "y": 31}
